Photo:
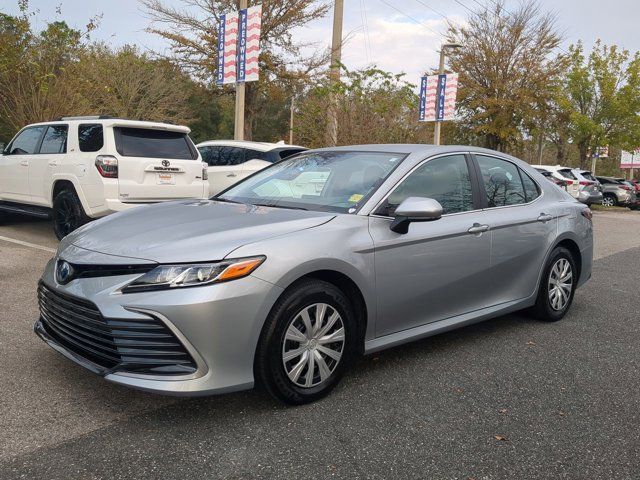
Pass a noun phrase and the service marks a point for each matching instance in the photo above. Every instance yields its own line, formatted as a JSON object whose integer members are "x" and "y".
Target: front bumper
{"x": 219, "y": 324}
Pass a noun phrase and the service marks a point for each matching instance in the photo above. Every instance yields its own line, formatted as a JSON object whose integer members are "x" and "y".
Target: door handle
{"x": 477, "y": 228}
{"x": 231, "y": 175}
{"x": 24, "y": 163}
{"x": 545, "y": 217}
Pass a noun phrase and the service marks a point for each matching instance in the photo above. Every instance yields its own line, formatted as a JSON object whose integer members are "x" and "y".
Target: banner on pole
{"x": 227, "y": 48}
{"x": 630, "y": 159}
{"x": 438, "y": 97}
{"x": 249, "y": 43}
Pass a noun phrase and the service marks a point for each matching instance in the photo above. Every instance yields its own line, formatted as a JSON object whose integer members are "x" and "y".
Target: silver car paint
{"x": 435, "y": 278}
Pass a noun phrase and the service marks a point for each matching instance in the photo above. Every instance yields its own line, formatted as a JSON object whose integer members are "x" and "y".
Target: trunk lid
{"x": 157, "y": 163}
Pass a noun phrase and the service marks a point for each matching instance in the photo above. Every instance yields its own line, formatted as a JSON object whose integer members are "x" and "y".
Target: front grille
{"x": 145, "y": 346}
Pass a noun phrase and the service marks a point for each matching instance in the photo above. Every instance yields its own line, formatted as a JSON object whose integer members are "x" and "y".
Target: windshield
{"x": 326, "y": 181}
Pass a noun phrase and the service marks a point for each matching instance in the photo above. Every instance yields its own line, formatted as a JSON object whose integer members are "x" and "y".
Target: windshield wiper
{"x": 289, "y": 207}
{"x": 227, "y": 200}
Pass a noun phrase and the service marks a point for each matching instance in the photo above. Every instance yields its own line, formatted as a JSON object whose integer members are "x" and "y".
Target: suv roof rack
{"x": 85, "y": 117}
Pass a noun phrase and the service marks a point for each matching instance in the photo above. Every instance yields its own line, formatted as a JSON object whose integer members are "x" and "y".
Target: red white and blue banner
{"x": 249, "y": 43}
{"x": 227, "y": 48}
{"x": 438, "y": 97}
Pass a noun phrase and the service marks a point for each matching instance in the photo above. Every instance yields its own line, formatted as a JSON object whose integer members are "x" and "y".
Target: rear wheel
{"x": 68, "y": 213}
{"x": 609, "y": 200}
{"x": 307, "y": 344}
{"x": 557, "y": 286}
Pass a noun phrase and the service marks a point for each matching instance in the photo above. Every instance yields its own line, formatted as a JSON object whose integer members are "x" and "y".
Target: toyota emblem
{"x": 64, "y": 272}
{"x": 166, "y": 163}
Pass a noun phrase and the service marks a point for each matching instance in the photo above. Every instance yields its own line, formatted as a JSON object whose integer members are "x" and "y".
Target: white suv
{"x": 80, "y": 168}
{"x": 230, "y": 161}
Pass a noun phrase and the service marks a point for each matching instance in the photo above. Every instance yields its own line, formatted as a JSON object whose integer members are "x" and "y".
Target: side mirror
{"x": 415, "y": 209}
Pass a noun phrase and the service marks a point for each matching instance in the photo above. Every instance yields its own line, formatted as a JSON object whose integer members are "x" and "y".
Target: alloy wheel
{"x": 560, "y": 284}
{"x": 608, "y": 202}
{"x": 66, "y": 217}
{"x": 313, "y": 345}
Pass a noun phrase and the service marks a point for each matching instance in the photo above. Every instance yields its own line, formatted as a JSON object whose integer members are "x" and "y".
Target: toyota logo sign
{"x": 166, "y": 163}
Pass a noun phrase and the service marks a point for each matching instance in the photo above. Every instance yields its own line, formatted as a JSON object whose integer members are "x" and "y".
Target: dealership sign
{"x": 438, "y": 97}
{"x": 630, "y": 159}
{"x": 239, "y": 46}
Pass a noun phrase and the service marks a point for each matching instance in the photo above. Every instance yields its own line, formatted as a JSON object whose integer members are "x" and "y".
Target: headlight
{"x": 192, "y": 275}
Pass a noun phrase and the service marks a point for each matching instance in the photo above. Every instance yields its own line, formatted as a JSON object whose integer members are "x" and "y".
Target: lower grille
{"x": 145, "y": 346}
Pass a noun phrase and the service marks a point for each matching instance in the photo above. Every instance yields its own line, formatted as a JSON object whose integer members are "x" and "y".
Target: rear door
{"x": 522, "y": 224}
{"x": 225, "y": 166}
{"x": 14, "y": 165}
{"x": 157, "y": 164}
{"x": 45, "y": 164}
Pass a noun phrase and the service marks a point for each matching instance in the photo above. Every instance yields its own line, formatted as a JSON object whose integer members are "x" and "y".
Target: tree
{"x": 374, "y": 106}
{"x": 506, "y": 68}
{"x": 126, "y": 83}
{"x": 601, "y": 99}
{"x": 191, "y": 30}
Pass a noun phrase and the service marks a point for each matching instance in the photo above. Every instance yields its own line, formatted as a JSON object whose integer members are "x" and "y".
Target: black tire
{"x": 68, "y": 213}
{"x": 543, "y": 309}
{"x": 609, "y": 197}
{"x": 269, "y": 368}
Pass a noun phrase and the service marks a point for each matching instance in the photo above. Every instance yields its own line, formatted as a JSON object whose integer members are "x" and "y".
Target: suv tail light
{"x": 625, "y": 187}
{"x": 205, "y": 172}
{"x": 584, "y": 182}
{"x": 107, "y": 166}
{"x": 587, "y": 213}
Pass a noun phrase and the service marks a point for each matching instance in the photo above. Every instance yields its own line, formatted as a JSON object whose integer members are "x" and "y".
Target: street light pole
{"x": 334, "y": 73}
{"x": 436, "y": 130}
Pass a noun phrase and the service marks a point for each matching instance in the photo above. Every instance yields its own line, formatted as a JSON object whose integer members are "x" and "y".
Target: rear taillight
{"x": 107, "y": 166}
{"x": 587, "y": 213}
{"x": 625, "y": 187}
{"x": 584, "y": 182}
{"x": 205, "y": 172}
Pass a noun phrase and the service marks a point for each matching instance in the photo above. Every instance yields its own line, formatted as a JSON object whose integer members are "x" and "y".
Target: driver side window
{"x": 445, "y": 179}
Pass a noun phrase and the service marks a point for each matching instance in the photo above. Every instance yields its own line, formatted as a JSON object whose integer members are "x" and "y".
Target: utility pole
{"x": 291, "y": 121}
{"x": 436, "y": 129}
{"x": 240, "y": 89}
{"x": 334, "y": 74}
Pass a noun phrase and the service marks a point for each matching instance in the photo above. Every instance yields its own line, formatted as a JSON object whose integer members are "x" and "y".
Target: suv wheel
{"x": 68, "y": 213}
{"x": 308, "y": 342}
{"x": 557, "y": 286}
{"x": 609, "y": 200}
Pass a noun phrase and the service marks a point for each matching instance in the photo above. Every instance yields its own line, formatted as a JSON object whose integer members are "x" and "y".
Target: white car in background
{"x": 590, "y": 188}
{"x": 75, "y": 169}
{"x": 229, "y": 161}
{"x": 565, "y": 174}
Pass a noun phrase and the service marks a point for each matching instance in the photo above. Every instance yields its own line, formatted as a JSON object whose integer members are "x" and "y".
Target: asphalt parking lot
{"x": 508, "y": 398}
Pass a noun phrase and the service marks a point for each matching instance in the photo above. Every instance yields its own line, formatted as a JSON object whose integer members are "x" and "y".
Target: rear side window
{"x": 531, "y": 189}
{"x": 209, "y": 155}
{"x": 26, "y": 142}
{"x": 255, "y": 155}
{"x": 55, "y": 140}
{"x": 567, "y": 174}
{"x": 90, "y": 137}
{"x": 146, "y": 142}
{"x": 502, "y": 182}
{"x": 589, "y": 176}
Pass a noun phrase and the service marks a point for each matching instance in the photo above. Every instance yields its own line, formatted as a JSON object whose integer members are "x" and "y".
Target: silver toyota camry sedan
{"x": 285, "y": 278}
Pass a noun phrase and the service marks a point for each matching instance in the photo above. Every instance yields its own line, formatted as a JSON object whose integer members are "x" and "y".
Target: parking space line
{"x": 27, "y": 244}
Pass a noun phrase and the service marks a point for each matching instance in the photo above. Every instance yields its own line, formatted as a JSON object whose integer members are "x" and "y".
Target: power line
{"x": 411, "y": 18}
{"x": 365, "y": 27}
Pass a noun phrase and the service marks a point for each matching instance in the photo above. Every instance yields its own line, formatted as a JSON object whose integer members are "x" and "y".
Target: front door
{"x": 439, "y": 269}
{"x": 14, "y": 166}
{"x": 522, "y": 228}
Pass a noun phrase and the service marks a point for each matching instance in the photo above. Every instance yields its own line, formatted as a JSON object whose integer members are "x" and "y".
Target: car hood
{"x": 189, "y": 231}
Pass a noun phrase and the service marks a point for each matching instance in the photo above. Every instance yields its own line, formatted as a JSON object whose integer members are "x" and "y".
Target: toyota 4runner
{"x": 79, "y": 168}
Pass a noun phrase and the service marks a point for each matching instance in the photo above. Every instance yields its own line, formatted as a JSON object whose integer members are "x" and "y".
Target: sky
{"x": 400, "y": 36}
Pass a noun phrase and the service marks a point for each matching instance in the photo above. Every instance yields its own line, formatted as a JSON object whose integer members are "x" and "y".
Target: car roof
{"x": 552, "y": 168}
{"x": 412, "y": 148}
{"x": 260, "y": 146}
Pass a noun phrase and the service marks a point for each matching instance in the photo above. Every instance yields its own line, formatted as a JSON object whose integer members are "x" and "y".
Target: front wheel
{"x": 557, "y": 286}
{"x": 68, "y": 213}
{"x": 307, "y": 343}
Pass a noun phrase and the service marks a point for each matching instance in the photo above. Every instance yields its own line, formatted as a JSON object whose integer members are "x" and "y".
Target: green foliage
{"x": 601, "y": 97}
